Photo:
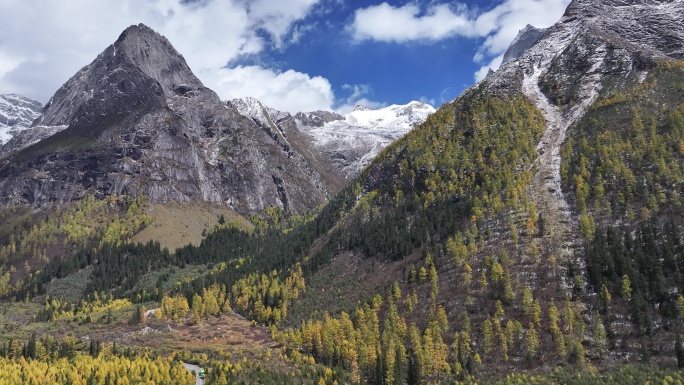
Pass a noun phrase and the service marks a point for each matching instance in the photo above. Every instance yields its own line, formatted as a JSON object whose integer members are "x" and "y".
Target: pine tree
{"x": 626, "y": 287}
{"x": 531, "y": 342}
{"x": 679, "y": 351}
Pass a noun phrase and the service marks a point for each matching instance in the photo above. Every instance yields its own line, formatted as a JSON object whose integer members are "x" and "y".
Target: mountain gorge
{"x": 529, "y": 231}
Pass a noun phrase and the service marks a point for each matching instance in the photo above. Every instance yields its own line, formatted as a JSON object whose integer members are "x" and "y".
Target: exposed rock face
{"x": 140, "y": 122}
{"x": 345, "y": 142}
{"x": 525, "y": 39}
{"x": 649, "y": 24}
{"x": 317, "y": 118}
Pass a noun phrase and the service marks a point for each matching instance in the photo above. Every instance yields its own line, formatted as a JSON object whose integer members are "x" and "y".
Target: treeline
{"x": 48, "y": 348}
{"x": 54, "y": 308}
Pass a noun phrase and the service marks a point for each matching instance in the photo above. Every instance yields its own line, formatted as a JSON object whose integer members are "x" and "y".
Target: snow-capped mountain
{"x": 347, "y": 142}
{"x": 16, "y": 113}
{"x": 253, "y": 108}
{"x": 353, "y": 141}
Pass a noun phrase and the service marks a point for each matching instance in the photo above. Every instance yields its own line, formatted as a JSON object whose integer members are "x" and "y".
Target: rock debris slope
{"x": 138, "y": 121}
{"x": 596, "y": 44}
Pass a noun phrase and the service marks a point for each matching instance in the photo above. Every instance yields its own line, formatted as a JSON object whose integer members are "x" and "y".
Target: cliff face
{"x": 139, "y": 122}
{"x": 525, "y": 39}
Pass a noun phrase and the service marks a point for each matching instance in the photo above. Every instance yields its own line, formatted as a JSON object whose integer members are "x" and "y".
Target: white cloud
{"x": 400, "y": 24}
{"x": 438, "y": 21}
{"x": 357, "y": 98}
{"x": 289, "y": 91}
{"x": 276, "y": 17}
{"x": 37, "y": 57}
{"x": 430, "y": 101}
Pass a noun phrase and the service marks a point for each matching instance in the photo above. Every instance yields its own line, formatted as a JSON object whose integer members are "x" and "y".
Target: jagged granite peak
{"x": 156, "y": 57}
{"x": 651, "y": 24}
{"x": 138, "y": 121}
{"x": 317, "y": 118}
{"x": 594, "y": 38}
{"x": 523, "y": 41}
{"x": 140, "y": 68}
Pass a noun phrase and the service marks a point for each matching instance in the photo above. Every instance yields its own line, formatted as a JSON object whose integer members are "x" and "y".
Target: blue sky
{"x": 293, "y": 55}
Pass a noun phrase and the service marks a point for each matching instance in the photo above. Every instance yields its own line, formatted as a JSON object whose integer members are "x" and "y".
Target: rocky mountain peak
{"x": 141, "y": 69}
{"x": 138, "y": 121}
{"x": 155, "y": 56}
{"x": 523, "y": 41}
{"x": 626, "y": 20}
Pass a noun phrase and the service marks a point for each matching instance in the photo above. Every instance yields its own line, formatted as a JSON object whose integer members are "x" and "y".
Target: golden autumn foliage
{"x": 88, "y": 370}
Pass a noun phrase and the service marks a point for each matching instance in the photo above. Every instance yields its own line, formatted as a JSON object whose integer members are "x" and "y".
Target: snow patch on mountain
{"x": 254, "y": 109}
{"x": 17, "y": 113}
{"x": 349, "y": 142}
{"x": 352, "y": 142}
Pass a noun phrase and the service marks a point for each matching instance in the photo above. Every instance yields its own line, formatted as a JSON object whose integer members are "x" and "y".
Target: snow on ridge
{"x": 350, "y": 141}
{"x": 355, "y": 140}
{"x": 394, "y": 117}
{"x": 252, "y": 108}
{"x": 17, "y": 113}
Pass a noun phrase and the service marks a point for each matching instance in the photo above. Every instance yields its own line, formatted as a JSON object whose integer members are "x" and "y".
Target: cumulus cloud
{"x": 286, "y": 91}
{"x": 437, "y": 21}
{"x": 400, "y": 24}
{"x": 63, "y": 36}
{"x": 276, "y": 17}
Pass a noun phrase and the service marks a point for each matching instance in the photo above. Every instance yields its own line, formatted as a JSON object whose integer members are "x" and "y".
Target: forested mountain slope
{"x": 548, "y": 199}
{"x": 532, "y": 224}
